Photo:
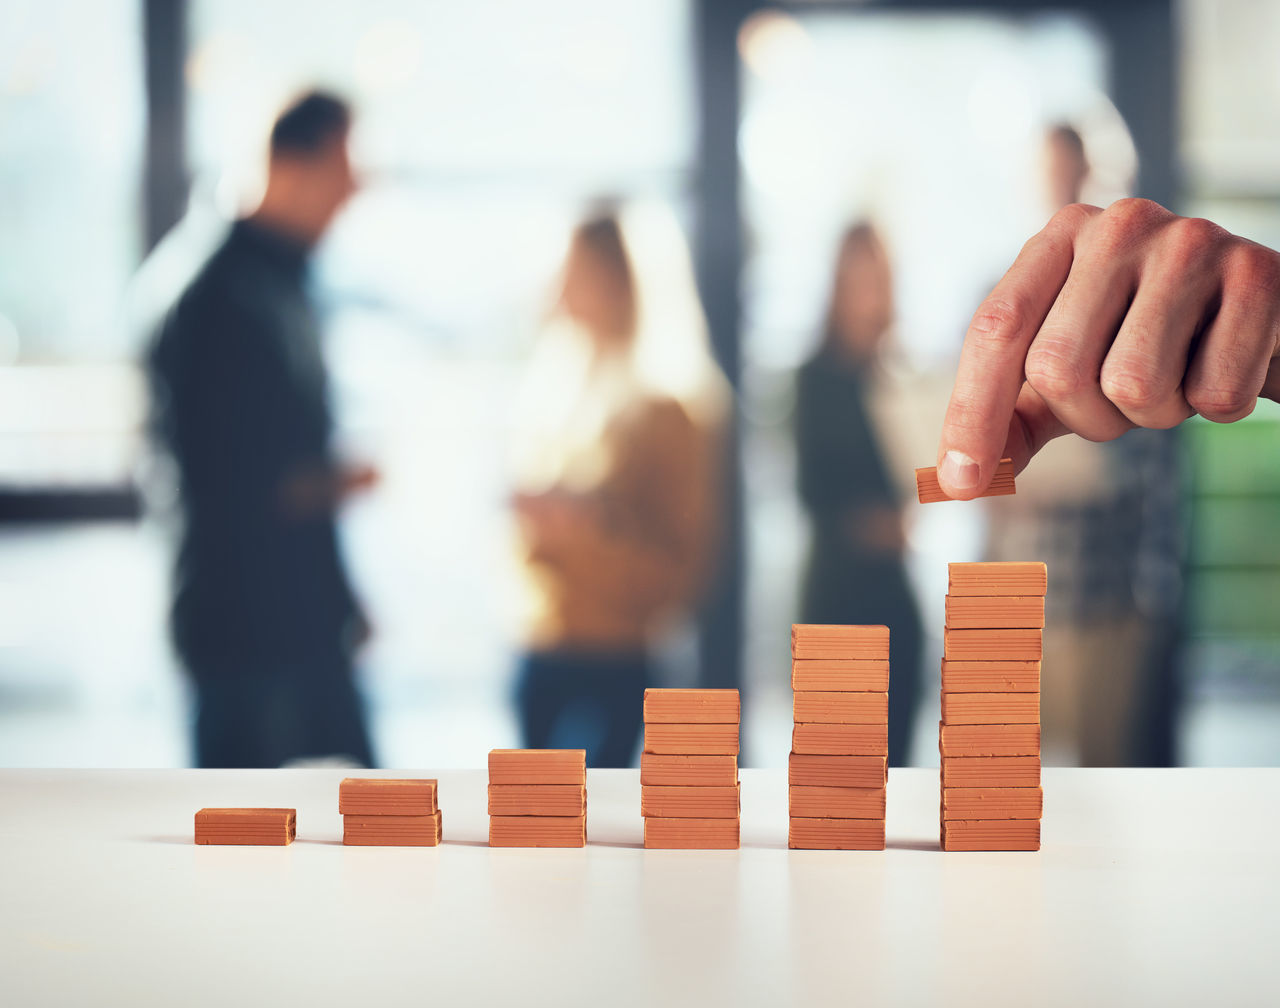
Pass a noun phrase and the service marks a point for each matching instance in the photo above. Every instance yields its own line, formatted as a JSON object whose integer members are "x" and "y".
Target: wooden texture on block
{"x": 665, "y": 802}
{"x": 836, "y": 802}
{"x": 990, "y": 708}
{"x": 841, "y": 739}
{"x": 990, "y": 771}
{"x": 992, "y": 803}
{"x": 691, "y": 706}
{"x": 691, "y": 834}
{"x": 991, "y": 835}
{"x": 857, "y": 771}
{"x": 992, "y": 645}
{"x": 840, "y": 642}
{"x": 537, "y": 799}
{"x": 928, "y": 490}
{"x": 390, "y": 796}
{"x": 808, "y": 833}
{"x": 840, "y": 708}
{"x": 538, "y": 766}
{"x": 990, "y": 676}
{"x": 391, "y": 830}
{"x": 1016, "y": 578}
{"x": 679, "y": 770}
{"x": 692, "y": 739}
{"x": 989, "y": 740}
{"x": 990, "y": 612}
{"x": 834, "y": 675}
{"x": 248, "y": 827}
{"x": 537, "y": 831}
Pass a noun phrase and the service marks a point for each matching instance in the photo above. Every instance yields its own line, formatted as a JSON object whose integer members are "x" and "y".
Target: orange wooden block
{"x": 807, "y": 833}
{"x": 991, "y": 835}
{"x": 990, "y": 612}
{"x": 538, "y": 766}
{"x": 391, "y": 830}
{"x": 692, "y": 739}
{"x": 834, "y": 675}
{"x": 246, "y": 827}
{"x": 691, "y": 706}
{"x": 992, "y": 645}
{"x": 1013, "y": 578}
{"x": 664, "y": 802}
{"x": 537, "y": 831}
{"x": 841, "y": 739}
{"x": 992, "y": 803}
{"x": 840, "y": 708}
{"x": 679, "y": 770}
{"x": 990, "y": 708}
{"x": 691, "y": 834}
{"x": 822, "y": 642}
{"x": 387, "y": 796}
{"x": 930, "y": 492}
{"x": 537, "y": 799}
{"x": 837, "y": 771}
{"x": 836, "y": 802}
{"x": 989, "y": 740}
{"x": 990, "y": 771}
{"x": 990, "y": 676}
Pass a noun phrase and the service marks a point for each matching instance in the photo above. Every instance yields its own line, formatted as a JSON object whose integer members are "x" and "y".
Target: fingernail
{"x": 958, "y": 471}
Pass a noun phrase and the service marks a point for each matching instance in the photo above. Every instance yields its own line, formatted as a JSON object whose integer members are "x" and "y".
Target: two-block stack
{"x": 389, "y": 813}
{"x": 838, "y": 767}
{"x": 989, "y": 736}
{"x": 538, "y": 798}
{"x": 689, "y": 791}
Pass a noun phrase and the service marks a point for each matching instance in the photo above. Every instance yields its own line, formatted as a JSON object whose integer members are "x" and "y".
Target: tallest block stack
{"x": 989, "y": 736}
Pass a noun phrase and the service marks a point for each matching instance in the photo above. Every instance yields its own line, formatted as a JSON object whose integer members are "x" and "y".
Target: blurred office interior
{"x": 133, "y": 130}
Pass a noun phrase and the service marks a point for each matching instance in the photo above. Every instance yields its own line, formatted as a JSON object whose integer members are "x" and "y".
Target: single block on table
{"x": 989, "y": 740}
{"x": 691, "y": 706}
{"x": 679, "y": 769}
{"x": 990, "y": 771}
{"x": 537, "y": 766}
{"x": 251, "y": 827}
{"x": 692, "y": 739}
{"x": 1017, "y": 578}
{"x": 840, "y": 708}
{"x": 666, "y": 802}
{"x": 537, "y": 799}
{"x": 991, "y": 676}
{"x": 990, "y": 708}
{"x": 841, "y": 739}
{"x": 692, "y": 834}
{"x": 992, "y": 645}
{"x": 858, "y": 771}
{"x": 991, "y": 835}
{"x": 929, "y": 491}
{"x": 836, "y": 802}
{"x": 537, "y": 831}
{"x": 992, "y": 803}
{"x": 994, "y": 612}
{"x": 809, "y": 833}
{"x": 840, "y": 675}
{"x": 391, "y": 830}
{"x": 387, "y": 796}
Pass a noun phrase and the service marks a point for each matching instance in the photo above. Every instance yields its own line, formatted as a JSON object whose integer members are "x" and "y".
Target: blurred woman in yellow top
{"x": 618, "y": 480}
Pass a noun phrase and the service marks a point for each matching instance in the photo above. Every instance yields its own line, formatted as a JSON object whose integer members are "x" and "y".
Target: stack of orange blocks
{"x": 689, "y": 791}
{"x": 389, "y": 812}
{"x": 538, "y": 798}
{"x": 989, "y": 736}
{"x": 838, "y": 767}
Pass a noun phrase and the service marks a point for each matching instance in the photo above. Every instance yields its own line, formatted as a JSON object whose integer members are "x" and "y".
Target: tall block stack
{"x": 989, "y": 736}
{"x": 838, "y": 767}
{"x": 538, "y": 798}
{"x": 389, "y": 812}
{"x": 689, "y": 791}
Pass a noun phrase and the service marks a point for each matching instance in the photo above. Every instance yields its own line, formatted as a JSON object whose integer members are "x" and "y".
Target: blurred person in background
{"x": 263, "y": 616}
{"x": 1107, "y": 519}
{"x": 618, "y": 483}
{"x": 856, "y": 571}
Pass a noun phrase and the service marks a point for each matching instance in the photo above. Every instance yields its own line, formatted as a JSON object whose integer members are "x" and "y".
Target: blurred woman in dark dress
{"x": 856, "y": 572}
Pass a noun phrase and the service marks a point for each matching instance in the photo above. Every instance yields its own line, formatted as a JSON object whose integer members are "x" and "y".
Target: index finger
{"x": 993, "y": 359}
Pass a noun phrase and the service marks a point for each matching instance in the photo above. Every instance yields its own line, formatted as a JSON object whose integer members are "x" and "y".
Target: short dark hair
{"x": 310, "y": 122}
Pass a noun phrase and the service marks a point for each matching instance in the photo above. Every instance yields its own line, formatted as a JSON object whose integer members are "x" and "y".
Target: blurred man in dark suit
{"x": 263, "y": 616}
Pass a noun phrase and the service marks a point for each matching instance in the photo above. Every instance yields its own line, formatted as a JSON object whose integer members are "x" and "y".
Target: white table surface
{"x": 1154, "y": 887}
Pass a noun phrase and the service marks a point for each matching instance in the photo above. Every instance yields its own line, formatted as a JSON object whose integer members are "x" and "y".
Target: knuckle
{"x": 1000, "y": 320}
{"x": 1191, "y": 242}
{"x": 1072, "y": 218}
{"x": 1132, "y": 386}
{"x": 1221, "y": 403}
{"x": 1253, "y": 272}
{"x": 1135, "y": 214}
{"x": 1053, "y": 370}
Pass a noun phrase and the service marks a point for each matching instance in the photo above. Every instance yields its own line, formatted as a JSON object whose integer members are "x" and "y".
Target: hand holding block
{"x": 929, "y": 492}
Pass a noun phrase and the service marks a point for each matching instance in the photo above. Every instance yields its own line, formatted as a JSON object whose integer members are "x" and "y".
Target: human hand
{"x": 1108, "y": 320}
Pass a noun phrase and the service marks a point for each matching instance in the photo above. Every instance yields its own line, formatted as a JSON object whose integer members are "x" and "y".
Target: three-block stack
{"x": 989, "y": 736}
{"x": 538, "y": 798}
{"x": 838, "y": 767}
{"x": 689, "y": 791}
{"x": 389, "y": 813}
